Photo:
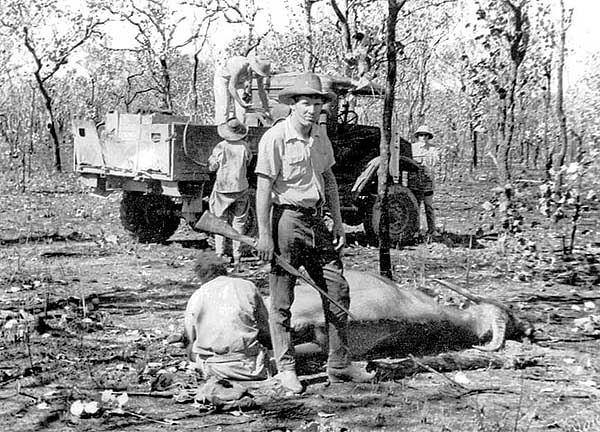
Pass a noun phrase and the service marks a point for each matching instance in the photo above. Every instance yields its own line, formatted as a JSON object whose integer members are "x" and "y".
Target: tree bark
{"x": 559, "y": 157}
{"x": 308, "y": 61}
{"x": 518, "y": 48}
{"x": 548, "y": 152}
{"x": 385, "y": 264}
{"x": 166, "y": 84}
{"x": 474, "y": 137}
{"x": 51, "y": 122}
{"x": 342, "y": 16}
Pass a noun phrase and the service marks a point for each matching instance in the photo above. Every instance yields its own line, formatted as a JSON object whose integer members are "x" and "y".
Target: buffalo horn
{"x": 498, "y": 333}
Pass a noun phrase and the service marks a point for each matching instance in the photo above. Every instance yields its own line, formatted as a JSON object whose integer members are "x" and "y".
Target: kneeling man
{"x": 226, "y": 324}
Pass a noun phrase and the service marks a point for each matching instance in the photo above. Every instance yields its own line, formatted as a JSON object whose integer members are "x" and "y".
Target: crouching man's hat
{"x": 232, "y": 130}
{"x": 423, "y": 130}
{"x": 307, "y": 84}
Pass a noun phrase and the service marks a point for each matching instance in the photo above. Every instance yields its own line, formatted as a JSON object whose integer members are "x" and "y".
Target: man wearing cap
{"x": 426, "y": 155}
{"x": 230, "y": 84}
{"x": 229, "y": 197}
{"x": 294, "y": 180}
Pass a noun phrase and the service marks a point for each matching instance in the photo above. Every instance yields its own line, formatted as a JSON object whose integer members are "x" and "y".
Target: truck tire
{"x": 149, "y": 218}
{"x": 403, "y": 212}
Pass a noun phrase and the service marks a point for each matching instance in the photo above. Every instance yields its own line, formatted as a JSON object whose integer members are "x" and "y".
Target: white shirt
{"x": 227, "y": 315}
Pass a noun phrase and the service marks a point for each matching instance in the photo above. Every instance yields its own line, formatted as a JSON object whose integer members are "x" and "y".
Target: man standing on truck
{"x": 294, "y": 180}
{"x": 427, "y": 156}
{"x": 231, "y": 82}
{"x": 229, "y": 198}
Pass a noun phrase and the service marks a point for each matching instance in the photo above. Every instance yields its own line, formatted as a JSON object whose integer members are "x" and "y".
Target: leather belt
{"x": 310, "y": 211}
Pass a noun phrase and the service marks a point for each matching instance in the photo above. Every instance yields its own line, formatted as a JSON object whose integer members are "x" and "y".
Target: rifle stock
{"x": 210, "y": 223}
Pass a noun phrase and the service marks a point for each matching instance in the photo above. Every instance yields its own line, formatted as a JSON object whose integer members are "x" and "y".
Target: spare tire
{"x": 149, "y": 218}
{"x": 403, "y": 211}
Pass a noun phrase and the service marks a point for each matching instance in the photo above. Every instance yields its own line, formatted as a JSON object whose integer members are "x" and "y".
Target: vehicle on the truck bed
{"x": 160, "y": 162}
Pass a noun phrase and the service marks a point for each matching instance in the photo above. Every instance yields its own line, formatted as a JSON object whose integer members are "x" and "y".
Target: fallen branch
{"x": 387, "y": 369}
{"x": 144, "y": 417}
{"x": 167, "y": 394}
{"x": 557, "y": 298}
{"x": 432, "y": 370}
{"x": 549, "y": 341}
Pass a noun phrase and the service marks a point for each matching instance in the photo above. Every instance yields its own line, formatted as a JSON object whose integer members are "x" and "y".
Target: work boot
{"x": 351, "y": 372}
{"x": 289, "y": 380}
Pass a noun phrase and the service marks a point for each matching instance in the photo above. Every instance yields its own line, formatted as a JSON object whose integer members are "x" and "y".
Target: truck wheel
{"x": 403, "y": 213}
{"x": 149, "y": 218}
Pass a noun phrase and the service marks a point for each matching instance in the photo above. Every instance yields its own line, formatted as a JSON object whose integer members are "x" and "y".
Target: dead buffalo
{"x": 397, "y": 320}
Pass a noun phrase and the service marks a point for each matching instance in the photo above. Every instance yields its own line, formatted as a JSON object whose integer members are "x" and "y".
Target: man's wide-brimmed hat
{"x": 260, "y": 65}
{"x": 308, "y": 84}
{"x": 232, "y": 130}
{"x": 423, "y": 130}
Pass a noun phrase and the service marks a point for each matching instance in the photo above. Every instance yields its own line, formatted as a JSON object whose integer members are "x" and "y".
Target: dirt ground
{"x": 61, "y": 246}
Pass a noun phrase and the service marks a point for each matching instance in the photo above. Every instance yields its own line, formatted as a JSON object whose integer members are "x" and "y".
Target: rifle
{"x": 210, "y": 223}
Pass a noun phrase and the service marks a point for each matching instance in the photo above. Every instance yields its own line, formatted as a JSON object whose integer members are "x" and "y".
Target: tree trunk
{"x": 308, "y": 61}
{"x": 51, "y": 123}
{"x": 385, "y": 264}
{"x": 166, "y": 85}
{"x": 342, "y": 16}
{"x": 503, "y": 145}
{"x": 194, "y": 83}
{"x": 548, "y": 152}
{"x": 518, "y": 49}
{"x": 559, "y": 157}
{"x": 422, "y": 89}
{"x": 474, "y": 137}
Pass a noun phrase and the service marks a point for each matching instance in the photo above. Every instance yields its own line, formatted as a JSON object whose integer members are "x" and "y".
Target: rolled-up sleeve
{"x": 268, "y": 161}
{"x": 216, "y": 157}
{"x": 328, "y": 152}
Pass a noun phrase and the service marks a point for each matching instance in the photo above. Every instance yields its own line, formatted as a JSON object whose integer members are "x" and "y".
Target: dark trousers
{"x": 303, "y": 240}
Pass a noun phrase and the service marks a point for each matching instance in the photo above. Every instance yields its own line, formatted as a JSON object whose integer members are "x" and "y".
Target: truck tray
{"x": 147, "y": 146}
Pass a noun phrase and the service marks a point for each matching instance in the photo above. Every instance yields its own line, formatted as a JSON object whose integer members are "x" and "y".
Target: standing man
{"x": 229, "y": 198}
{"x": 426, "y": 154}
{"x": 294, "y": 181}
{"x": 231, "y": 82}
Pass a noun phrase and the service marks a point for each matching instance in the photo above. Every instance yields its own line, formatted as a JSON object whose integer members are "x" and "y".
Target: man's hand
{"x": 339, "y": 237}
{"x": 264, "y": 247}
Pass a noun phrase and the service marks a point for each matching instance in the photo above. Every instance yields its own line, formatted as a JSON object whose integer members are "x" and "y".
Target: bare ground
{"x": 63, "y": 245}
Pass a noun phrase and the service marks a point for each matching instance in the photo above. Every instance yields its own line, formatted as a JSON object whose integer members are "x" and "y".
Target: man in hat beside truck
{"x": 231, "y": 82}
{"x": 294, "y": 181}
{"x": 427, "y": 156}
{"x": 229, "y": 198}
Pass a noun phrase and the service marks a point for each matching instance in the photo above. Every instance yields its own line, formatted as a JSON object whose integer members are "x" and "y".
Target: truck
{"x": 160, "y": 163}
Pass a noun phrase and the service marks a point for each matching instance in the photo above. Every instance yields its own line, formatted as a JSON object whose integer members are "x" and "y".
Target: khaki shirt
{"x": 230, "y": 160}
{"x": 295, "y": 165}
{"x": 227, "y": 315}
{"x": 427, "y": 155}
{"x": 233, "y": 65}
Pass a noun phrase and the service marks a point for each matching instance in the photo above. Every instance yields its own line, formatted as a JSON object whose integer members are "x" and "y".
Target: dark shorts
{"x": 421, "y": 182}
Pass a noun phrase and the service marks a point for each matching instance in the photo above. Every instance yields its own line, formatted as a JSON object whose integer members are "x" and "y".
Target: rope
{"x": 185, "y": 149}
